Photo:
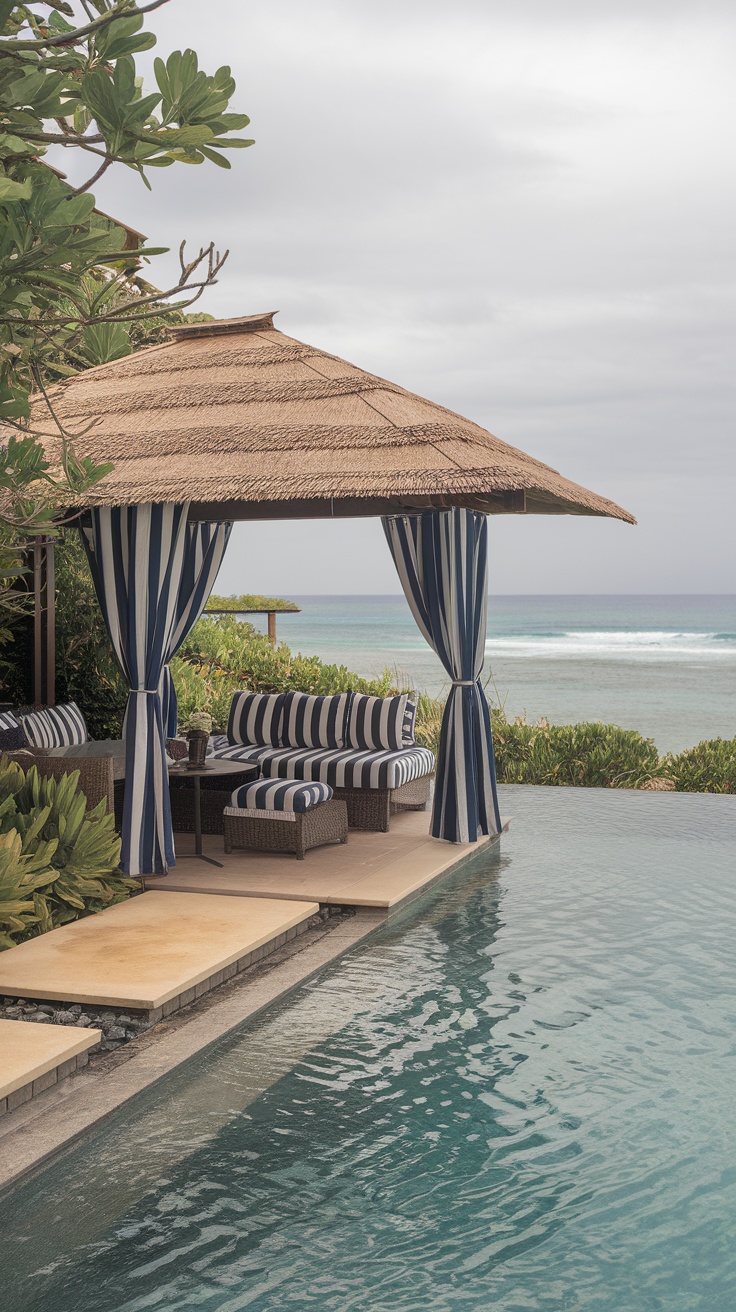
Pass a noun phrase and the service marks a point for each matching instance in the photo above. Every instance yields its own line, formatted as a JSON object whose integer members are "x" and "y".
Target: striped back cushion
{"x": 377, "y": 722}
{"x": 280, "y": 795}
{"x": 55, "y": 726}
{"x": 255, "y": 717}
{"x": 8, "y": 720}
{"x": 314, "y": 721}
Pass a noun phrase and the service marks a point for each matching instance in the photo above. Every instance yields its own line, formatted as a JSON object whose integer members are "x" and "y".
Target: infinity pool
{"x": 517, "y": 1097}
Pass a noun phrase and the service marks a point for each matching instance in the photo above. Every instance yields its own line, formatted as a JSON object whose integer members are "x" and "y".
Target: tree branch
{"x": 73, "y": 38}
{"x": 104, "y": 166}
{"x": 215, "y": 262}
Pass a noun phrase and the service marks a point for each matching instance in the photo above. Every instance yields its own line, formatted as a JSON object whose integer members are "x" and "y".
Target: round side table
{"x": 213, "y": 770}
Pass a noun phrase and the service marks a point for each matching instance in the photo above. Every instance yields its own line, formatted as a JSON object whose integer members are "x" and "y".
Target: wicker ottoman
{"x": 278, "y": 815}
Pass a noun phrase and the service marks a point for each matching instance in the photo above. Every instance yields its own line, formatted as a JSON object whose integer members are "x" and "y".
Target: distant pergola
{"x": 232, "y": 420}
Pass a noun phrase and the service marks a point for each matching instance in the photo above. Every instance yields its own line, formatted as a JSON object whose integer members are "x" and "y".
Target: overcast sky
{"x": 523, "y": 211}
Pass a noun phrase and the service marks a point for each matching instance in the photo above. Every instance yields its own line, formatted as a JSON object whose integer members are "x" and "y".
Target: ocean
{"x": 665, "y": 665}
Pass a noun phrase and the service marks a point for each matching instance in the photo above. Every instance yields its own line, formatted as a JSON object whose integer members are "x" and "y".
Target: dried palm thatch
{"x": 248, "y": 423}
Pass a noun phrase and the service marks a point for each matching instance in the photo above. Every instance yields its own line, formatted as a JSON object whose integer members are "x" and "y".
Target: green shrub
{"x": 584, "y": 755}
{"x": 708, "y": 768}
{"x": 58, "y": 861}
{"x": 429, "y": 721}
{"x": 221, "y": 655}
{"x": 87, "y": 670}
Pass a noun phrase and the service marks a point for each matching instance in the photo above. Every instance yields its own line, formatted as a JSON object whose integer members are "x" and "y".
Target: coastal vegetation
{"x": 223, "y": 653}
{"x": 250, "y": 601}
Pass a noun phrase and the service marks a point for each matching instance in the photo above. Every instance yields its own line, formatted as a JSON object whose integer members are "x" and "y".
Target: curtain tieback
{"x": 144, "y": 692}
{"x": 464, "y": 683}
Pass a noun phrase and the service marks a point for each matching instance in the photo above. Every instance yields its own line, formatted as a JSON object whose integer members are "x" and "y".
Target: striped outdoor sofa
{"x": 362, "y": 747}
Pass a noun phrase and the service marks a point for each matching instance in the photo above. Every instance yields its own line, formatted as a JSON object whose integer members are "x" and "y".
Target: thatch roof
{"x": 248, "y": 423}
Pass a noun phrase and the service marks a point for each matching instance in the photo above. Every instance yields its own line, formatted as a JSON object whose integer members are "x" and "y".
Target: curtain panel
{"x": 136, "y": 556}
{"x": 442, "y": 561}
{"x": 204, "y": 549}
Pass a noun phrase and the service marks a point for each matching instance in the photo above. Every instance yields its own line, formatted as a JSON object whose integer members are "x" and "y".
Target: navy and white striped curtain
{"x": 203, "y": 552}
{"x": 136, "y": 555}
{"x": 442, "y": 561}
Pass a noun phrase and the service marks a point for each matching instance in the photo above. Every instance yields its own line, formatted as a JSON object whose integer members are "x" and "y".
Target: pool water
{"x": 518, "y": 1097}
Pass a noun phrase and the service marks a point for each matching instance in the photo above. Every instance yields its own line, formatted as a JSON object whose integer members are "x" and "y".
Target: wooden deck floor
{"x": 371, "y": 870}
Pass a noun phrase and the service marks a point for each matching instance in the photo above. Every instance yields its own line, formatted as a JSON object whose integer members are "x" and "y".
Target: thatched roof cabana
{"x": 247, "y": 423}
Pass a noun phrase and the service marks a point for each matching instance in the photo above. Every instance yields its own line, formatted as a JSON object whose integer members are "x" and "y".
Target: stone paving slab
{"x": 370, "y": 870}
{"x": 30, "y": 1052}
{"x": 145, "y": 952}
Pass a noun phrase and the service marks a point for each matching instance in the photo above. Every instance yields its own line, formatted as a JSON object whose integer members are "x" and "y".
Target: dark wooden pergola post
{"x": 219, "y": 610}
{"x": 44, "y": 621}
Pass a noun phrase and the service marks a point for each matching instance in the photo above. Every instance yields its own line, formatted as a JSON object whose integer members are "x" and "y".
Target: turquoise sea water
{"x": 517, "y": 1097}
{"x": 663, "y": 665}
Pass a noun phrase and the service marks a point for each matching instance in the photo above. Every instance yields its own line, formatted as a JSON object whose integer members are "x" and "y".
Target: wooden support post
{"x": 50, "y": 689}
{"x": 37, "y": 623}
{"x": 272, "y": 627}
{"x": 44, "y": 622}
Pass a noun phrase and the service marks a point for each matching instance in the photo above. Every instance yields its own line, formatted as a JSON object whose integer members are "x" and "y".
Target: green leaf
{"x": 10, "y": 145}
{"x": 6, "y": 9}
{"x": 10, "y": 190}
{"x": 215, "y": 157}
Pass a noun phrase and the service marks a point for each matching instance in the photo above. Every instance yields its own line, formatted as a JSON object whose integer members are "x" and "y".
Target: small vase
{"x": 197, "y": 742}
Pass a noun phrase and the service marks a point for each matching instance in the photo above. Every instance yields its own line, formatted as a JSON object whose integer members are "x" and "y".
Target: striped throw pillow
{"x": 8, "y": 720}
{"x": 255, "y": 717}
{"x": 56, "y": 726}
{"x": 410, "y": 719}
{"x": 314, "y": 721}
{"x": 377, "y": 722}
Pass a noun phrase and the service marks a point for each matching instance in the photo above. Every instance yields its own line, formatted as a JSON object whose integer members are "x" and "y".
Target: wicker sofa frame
{"x": 325, "y": 823}
{"x": 95, "y": 772}
{"x": 372, "y": 808}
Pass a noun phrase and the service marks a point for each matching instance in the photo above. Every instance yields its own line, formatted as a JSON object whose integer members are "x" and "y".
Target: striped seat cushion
{"x": 55, "y": 726}
{"x": 276, "y": 795}
{"x": 380, "y": 723}
{"x": 314, "y": 721}
{"x": 255, "y": 717}
{"x": 347, "y": 768}
{"x": 241, "y": 752}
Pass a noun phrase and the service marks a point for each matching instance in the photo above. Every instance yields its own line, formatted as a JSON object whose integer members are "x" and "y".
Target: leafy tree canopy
{"x": 71, "y": 292}
{"x": 67, "y": 274}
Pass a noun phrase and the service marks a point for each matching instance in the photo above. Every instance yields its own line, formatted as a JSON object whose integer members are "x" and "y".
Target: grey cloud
{"x": 524, "y": 212}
